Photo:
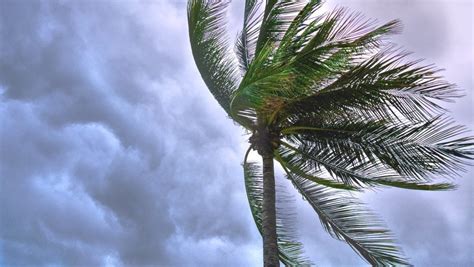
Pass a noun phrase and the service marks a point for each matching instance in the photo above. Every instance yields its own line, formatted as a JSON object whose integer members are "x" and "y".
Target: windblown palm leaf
{"x": 210, "y": 48}
{"x": 337, "y": 106}
{"x": 344, "y": 218}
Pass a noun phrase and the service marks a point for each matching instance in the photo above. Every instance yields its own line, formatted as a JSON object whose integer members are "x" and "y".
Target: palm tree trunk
{"x": 270, "y": 247}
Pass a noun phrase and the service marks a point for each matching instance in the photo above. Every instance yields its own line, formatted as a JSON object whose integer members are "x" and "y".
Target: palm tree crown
{"x": 337, "y": 106}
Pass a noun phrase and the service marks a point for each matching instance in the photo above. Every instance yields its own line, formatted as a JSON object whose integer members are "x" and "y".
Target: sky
{"x": 114, "y": 153}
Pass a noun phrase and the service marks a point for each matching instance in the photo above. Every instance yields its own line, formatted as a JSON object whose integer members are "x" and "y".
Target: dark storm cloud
{"x": 112, "y": 153}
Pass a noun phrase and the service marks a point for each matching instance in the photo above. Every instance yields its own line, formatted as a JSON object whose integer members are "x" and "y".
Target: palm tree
{"x": 337, "y": 106}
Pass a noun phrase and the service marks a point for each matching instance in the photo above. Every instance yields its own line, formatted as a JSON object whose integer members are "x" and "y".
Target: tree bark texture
{"x": 270, "y": 247}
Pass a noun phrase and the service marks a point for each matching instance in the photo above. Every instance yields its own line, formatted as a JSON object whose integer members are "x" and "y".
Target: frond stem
{"x": 295, "y": 129}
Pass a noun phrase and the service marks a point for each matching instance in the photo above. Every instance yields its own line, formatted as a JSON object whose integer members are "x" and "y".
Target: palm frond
{"x": 298, "y": 31}
{"x": 266, "y": 77}
{"x": 290, "y": 251}
{"x": 341, "y": 28}
{"x": 382, "y": 86}
{"x": 435, "y": 147}
{"x": 206, "y": 22}
{"x": 303, "y": 162}
{"x": 264, "y": 84}
{"x": 298, "y": 67}
{"x": 247, "y": 39}
{"x": 321, "y": 61}
{"x": 277, "y": 17}
{"x": 301, "y": 168}
{"x": 369, "y": 174}
{"x": 345, "y": 218}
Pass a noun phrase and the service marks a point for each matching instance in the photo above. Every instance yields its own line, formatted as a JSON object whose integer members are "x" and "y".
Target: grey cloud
{"x": 434, "y": 227}
{"x": 105, "y": 136}
{"x": 425, "y": 23}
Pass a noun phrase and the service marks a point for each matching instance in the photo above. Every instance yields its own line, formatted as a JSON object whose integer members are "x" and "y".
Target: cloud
{"x": 113, "y": 152}
{"x": 106, "y": 157}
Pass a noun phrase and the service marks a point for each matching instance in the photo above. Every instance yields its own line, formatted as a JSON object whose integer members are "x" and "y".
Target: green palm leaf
{"x": 310, "y": 165}
{"x": 277, "y": 18}
{"x": 247, "y": 40}
{"x": 303, "y": 169}
{"x": 381, "y": 86}
{"x": 206, "y": 22}
{"x": 344, "y": 218}
{"x": 435, "y": 147}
